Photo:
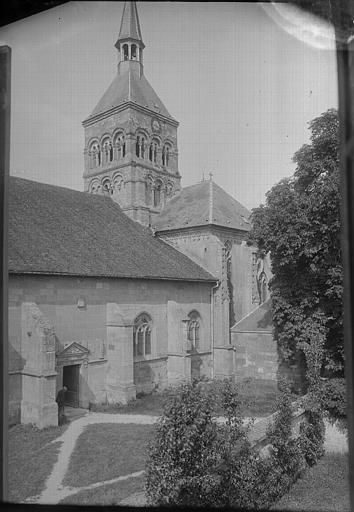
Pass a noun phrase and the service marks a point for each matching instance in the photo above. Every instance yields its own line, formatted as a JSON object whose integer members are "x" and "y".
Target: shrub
{"x": 334, "y": 398}
{"x": 183, "y": 449}
{"x": 311, "y": 438}
{"x": 196, "y": 461}
{"x": 287, "y": 460}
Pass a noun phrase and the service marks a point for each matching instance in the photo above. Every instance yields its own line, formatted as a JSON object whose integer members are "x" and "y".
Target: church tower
{"x": 130, "y": 137}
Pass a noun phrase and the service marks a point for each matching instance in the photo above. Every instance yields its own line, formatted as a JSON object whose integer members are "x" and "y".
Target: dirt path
{"x": 54, "y": 490}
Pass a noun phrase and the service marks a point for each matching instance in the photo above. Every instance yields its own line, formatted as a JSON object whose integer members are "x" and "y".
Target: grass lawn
{"x": 107, "y": 494}
{"x": 31, "y": 459}
{"x": 324, "y": 487}
{"x": 261, "y": 395}
{"x": 105, "y": 451}
{"x": 150, "y": 404}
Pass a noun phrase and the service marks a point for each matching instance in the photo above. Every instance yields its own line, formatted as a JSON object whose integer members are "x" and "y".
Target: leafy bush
{"x": 287, "y": 459}
{"x": 180, "y": 458}
{"x": 334, "y": 398}
{"x": 197, "y": 461}
{"x": 300, "y": 226}
{"x": 311, "y": 439}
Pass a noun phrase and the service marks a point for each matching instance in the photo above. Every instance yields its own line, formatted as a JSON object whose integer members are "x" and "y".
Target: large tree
{"x": 300, "y": 226}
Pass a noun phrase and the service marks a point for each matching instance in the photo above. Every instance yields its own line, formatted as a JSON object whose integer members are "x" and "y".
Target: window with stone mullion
{"x": 193, "y": 333}
{"x": 142, "y": 339}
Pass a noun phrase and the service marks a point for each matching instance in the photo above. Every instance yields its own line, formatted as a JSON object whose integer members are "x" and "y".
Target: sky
{"x": 242, "y": 79}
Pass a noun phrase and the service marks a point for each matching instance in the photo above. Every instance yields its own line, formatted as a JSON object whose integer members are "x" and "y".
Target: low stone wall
{"x": 258, "y": 434}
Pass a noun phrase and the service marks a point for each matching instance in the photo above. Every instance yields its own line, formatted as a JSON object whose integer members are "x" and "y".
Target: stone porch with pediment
{"x": 74, "y": 357}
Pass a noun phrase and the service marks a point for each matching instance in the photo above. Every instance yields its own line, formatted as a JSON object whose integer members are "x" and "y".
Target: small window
{"x": 118, "y": 183}
{"x": 107, "y": 187}
{"x": 133, "y": 52}
{"x": 140, "y": 146}
{"x": 153, "y": 152}
{"x": 165, "y": 155}
{"x": 194, "y": 329}
{"x": 94, "y": 187}
{"x": 148, "y": 190}
{"x": 107, "y": 151}
{"x": 125, "y": 52}
{"x": 119, "y": 146}
{"x": 142, "y": 336}
{"x": 94, "y": 155}
{"x": 157, "y": 193}
{"x": 169, "y": 188}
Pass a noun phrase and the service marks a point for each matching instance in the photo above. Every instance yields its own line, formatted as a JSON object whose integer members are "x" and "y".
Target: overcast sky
{"x": 242, "y": 79}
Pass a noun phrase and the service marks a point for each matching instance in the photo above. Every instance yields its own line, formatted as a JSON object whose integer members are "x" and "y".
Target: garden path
{"x": 54, "y": 491}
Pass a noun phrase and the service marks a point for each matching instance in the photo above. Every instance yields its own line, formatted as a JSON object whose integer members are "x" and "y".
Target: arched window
{"x": 140, "y": 146}
{"x": 165, "y": 155}
{"x": 157, "y": 193}
{"x": 94, "y": 155}
{"x": 107, "y": 187}
{"x": 133, "y": 50}
{"x": 107, "y": 151}
{"x": 94, "y": 186}
{"x": 142, "y": 336}
{"x": 148, "y": 190}
{"x": 125, "y": 52}
{"x": 169, "y": 188}
{"x": 193, "y": 330}
{"x": 118, "y": 182}
{"x": 119, "y": 146}
{"x": 153, "y": 151}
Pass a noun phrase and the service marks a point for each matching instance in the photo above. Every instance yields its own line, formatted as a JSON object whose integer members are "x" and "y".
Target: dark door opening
{"x": 71, "y": 375}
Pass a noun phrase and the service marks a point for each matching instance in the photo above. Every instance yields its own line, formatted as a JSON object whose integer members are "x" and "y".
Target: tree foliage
{"x": 300, "y": 226}
{"x": 194, "y": 460}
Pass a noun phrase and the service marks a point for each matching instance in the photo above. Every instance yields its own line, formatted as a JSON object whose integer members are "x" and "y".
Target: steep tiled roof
{"x": 54, "y": 230}
{"x": 129, "y": 86}
{"x": 202, "y": 204}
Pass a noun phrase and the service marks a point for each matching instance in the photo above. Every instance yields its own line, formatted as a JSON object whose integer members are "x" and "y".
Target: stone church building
{"x": 135, "y": 283}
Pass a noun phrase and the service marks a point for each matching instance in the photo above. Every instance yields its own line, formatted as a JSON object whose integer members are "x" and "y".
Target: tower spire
{"x": 129, "y": 26}
{"x": 130, "y": 43}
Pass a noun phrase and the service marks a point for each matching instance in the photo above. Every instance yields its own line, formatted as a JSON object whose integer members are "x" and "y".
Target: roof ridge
{"x": 211, "y": 198}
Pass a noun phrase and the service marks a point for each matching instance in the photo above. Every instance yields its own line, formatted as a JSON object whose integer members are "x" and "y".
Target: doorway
{"x": 71, "y": 377}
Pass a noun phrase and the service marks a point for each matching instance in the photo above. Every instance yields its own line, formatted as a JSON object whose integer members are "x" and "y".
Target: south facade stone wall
{"x": 150, "y": 375}
{"x": 98, "y": 316}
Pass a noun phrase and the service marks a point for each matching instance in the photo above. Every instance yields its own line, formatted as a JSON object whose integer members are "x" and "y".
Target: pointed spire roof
{"x": 130, "y": 26}
{"x": 129, "y": 87}
{"x": 203, "y": 204}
